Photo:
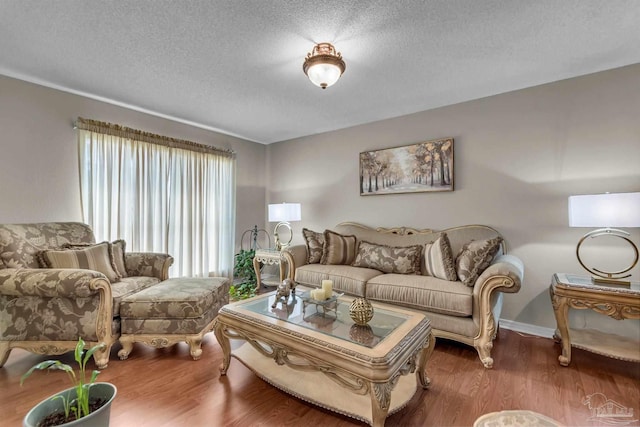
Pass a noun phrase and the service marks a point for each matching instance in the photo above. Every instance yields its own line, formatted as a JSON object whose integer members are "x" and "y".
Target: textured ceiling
{"x": 235, "y": 66}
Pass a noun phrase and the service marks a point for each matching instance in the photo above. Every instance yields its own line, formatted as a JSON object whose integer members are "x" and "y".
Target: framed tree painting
{"x": 423, "y": 167}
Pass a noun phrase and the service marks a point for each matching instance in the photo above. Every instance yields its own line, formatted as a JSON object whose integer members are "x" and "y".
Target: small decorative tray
{"x": 306, "y": 297}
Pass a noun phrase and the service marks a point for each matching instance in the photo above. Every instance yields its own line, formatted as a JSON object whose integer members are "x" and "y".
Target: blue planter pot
{"x": 97, "y": 418}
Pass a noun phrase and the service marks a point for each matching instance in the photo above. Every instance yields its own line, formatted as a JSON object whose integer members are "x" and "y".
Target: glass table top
{"x": 331, "y": 319}
{"x": 588, "y": 282}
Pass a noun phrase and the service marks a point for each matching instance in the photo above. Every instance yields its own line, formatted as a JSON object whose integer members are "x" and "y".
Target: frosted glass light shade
{"x": 605, "y": 210}
{"x": 323, "y": 75}
{"x": 285, "y": 212}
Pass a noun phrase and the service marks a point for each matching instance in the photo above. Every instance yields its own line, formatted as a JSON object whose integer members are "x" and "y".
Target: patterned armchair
{"x": 46, "y": 310}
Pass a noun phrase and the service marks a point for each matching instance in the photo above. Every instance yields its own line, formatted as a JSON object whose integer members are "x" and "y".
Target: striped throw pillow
{"x": 116, "y": 252}
{"x": 94, "y": 257}
{"x": 438, "y": 259}
{"x": 338, "y": 249}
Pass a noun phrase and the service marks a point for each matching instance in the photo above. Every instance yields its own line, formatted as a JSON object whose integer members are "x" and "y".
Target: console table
{"x": 617, "y": 301}
{"x": 282, "y": 259}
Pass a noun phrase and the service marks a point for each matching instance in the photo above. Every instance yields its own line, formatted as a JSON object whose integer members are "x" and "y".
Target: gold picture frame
{"x": 417, "y": 168}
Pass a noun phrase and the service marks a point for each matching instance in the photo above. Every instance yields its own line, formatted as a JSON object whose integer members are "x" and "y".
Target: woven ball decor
{"x": 361, "y": 311}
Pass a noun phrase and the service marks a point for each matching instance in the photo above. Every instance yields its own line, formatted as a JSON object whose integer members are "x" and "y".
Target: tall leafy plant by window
{"x": 159, "y": 194}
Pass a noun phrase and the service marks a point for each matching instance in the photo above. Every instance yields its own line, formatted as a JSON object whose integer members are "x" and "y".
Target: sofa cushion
{"x": 178, "y": 298}
{"x": 346, "y": 278}
{"x": 338, "y": 249}
{"x": 422, "y": 292}
{"x": 95, "y": 257}
{"x": 438, "y": 259}
{"x": 129, "y": 286}
{"x": 389, "y": 259}
{"x": 315, "y": 245}
{"x": 475, "y": 257}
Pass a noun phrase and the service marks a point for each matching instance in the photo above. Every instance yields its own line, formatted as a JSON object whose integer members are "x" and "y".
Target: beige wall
{"x": 518, "y": 156}
{"x": 39, "y": 161}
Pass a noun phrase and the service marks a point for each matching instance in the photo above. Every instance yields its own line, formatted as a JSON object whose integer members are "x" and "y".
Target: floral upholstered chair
{"x": 57, "y": 285}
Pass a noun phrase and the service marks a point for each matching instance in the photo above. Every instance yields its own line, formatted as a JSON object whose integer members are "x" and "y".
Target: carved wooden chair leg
{"x": 127, "y": 346}
{"x": 4, "y": 352}
{"x": 101, "y": 357}
{"x": 195, "y": 345}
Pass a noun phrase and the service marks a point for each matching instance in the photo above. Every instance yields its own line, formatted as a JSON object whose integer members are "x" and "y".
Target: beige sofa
{"x": 46, "y": 310}
{"x": 465, "y": 312}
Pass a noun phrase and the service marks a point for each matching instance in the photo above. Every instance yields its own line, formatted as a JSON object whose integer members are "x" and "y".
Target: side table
{"x": 272, "y": 257}
{"x": 616, "y": 301}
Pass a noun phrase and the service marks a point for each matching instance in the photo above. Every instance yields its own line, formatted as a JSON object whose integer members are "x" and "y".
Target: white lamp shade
{"x": 285, "y": 212}
{"x": 605, "y": 210}
{"x": 326, "y": 74}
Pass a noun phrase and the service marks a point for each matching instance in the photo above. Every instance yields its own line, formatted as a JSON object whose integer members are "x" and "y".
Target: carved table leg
{"x": 380, "y": 401}
{"x": 561, "y": 311}
{"x": 219, "y": 329}
{"x": 425, "y": 354}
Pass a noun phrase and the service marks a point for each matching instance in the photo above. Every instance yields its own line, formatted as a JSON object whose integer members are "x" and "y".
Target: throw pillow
{"x": 338, "y": 249}
{"x": 116, "y": 252}
{"x": 95, "y": 257}
{"x": 475, "y": 257}
{"x": 118, "y": 247}
{"x": 315, "y": 244}
{"x": 438, "y": 259}
{"x": 389, "y": 259}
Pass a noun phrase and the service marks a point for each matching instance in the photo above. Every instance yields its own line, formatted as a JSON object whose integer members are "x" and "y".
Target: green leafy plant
{"x": 80, "y": 405}
{"x": 243, "y": 269}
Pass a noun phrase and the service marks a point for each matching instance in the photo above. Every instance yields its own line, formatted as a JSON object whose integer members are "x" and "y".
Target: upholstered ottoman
{"x": 172, "y": 311}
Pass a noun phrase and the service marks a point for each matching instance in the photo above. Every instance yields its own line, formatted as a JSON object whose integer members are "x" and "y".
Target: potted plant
{"x": 87, "y": 403}
{"x": 245, "y": 286}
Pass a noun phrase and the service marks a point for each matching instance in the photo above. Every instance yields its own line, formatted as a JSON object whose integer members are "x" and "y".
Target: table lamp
{"x": 283, "y": 213}
{"x": 606, "y": 211}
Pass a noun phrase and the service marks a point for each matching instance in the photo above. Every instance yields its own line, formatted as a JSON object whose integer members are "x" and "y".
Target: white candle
{"x": 317, "y": 294}
{"x": 327, "y": 287}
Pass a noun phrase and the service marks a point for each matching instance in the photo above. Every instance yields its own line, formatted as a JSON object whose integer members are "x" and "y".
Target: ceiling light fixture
{"x": 323, "y": 65}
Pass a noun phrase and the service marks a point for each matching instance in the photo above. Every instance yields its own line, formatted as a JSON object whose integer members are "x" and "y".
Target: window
{"x": 159, "y": 194}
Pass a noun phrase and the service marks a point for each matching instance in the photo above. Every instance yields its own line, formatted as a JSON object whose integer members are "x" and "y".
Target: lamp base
{"x": 624, "y": 283}
{"x": 609, "y": 277}
{"x": 279, "y": 244}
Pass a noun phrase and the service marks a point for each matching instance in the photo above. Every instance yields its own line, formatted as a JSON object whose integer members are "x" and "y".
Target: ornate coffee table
{"x": 327, "y": 360}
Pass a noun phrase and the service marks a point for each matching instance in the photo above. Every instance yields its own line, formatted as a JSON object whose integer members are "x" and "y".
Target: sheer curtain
{"x": 160, "y": 195}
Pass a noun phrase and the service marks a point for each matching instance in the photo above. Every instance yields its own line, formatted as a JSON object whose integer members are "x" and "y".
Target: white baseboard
{"x": 526, "y": 328}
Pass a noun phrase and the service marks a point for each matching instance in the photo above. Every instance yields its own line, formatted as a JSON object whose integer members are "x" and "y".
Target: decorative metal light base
{"x": 361, "y": 311}
{"x": 614, "y": 277}
{"x": 280, "y": 245}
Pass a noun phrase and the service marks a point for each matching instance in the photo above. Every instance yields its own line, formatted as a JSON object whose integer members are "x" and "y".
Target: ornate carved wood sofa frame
{"x": 46, "y": 310}
{"x": 465, "y": 313}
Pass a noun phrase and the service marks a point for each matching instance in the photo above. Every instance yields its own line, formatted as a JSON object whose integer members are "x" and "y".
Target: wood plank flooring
{"x": 167, "y": 388}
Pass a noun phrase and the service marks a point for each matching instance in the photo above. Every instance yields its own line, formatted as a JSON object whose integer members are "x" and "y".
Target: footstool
{"x": 171, "y": 311}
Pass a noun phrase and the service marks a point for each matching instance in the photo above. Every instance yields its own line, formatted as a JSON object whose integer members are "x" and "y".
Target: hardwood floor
{"x": 167, "y": 388}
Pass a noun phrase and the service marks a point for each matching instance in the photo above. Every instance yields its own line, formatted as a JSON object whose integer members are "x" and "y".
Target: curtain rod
{"x": 139, "y": 135}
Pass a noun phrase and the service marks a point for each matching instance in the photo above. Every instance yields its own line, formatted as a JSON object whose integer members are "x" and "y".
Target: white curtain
{"x": 172, "y": 198}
